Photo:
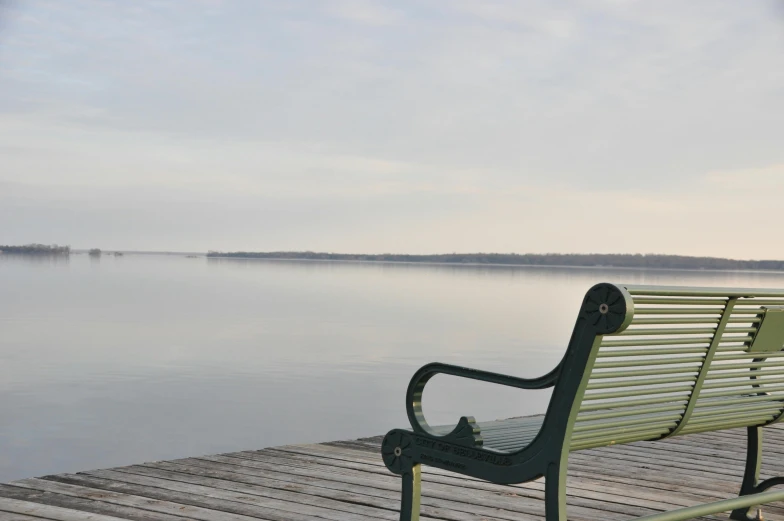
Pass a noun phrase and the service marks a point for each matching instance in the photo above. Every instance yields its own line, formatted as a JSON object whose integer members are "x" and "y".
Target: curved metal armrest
{"x": 417, "y": 386}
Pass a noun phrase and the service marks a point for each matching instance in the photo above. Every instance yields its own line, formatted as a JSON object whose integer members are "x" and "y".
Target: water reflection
{"x": 610, "y": 274}
{"x": 34, "y": 260}
{"x": 151, "y": 357}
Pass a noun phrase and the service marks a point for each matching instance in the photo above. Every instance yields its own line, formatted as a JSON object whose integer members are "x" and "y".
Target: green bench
{"x": 643, "y": 363}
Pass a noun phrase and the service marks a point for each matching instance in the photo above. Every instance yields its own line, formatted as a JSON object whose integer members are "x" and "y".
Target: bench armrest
{"x": 417, "y": 386}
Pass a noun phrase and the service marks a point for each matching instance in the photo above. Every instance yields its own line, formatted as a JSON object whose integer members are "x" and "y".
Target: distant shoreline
{"x": 490, "y": 265}
{"x": 531, "y": 260}
{"x": 635, "y": 261}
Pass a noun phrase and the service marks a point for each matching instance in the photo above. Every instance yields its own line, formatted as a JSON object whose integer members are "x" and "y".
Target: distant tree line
{"x": 528, "y": 259}
{"x": 37, "y": 249}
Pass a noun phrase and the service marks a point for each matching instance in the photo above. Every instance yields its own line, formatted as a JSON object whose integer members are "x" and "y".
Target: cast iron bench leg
{"x": 555, "y": 491}
{"x": 409, "y": 505}
{"x": 751, "y": 475}
{"x": 751, "y": 484}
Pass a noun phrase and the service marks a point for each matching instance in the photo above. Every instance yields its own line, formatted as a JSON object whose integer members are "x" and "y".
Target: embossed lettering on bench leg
{"x": 751, "y": 475}
{"x": 412, "y": 487}
{"x": 555, "y": 490}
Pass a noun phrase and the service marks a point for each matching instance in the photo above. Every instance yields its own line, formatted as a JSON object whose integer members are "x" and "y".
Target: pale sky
{"x": 403, "y": 126}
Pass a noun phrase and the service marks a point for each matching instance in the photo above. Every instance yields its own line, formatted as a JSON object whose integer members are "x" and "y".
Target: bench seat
{"x": 507, "y": 435}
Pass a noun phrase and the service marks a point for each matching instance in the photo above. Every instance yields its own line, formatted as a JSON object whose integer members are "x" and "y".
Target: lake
{"x": 119, "y": 360}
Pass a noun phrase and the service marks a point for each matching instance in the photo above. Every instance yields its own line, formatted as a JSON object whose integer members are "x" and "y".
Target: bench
{"x": 643, "y": 363}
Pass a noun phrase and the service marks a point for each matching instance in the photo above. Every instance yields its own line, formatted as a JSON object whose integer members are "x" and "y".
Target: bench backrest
{"x": 681, "y": 360}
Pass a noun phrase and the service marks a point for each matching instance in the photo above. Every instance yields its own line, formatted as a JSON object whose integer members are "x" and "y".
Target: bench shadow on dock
{"x": 346, "y": 480}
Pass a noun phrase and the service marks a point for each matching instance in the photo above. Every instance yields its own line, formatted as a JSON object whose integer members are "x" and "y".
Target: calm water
{"x": 142, "y": 357}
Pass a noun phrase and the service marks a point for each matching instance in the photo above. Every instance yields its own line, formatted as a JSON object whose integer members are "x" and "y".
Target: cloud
{"x": 508, "y": 120}
{"x": 368, "y": 12}
{"x": 764, "y": 181}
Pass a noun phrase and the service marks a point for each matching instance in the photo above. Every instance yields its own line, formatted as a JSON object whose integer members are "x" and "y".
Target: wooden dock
{"x": 346, "y": 481}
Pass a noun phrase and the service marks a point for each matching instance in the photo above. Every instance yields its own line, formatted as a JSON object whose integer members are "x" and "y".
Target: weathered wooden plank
{"x": 705, "y": 451}
{"x": 642, "y": 456}
{"x": 590, "y": 486}
{"x": 383, "y": 506}
{"x": 9, "y": 516}
{"x": 351, "y": 504}
{"x": 351, "y": 461}
{"x": 596, "y": 469}
{"x": 732, "y": 444}
{"x": 630, "y": 478}
{"x": 316, "y": 487}
{"x": 715, "y": 450}
{"x": 531, "y": 490}
{"x": 263, "y": 506}
{"x": 88, "y": 502}
{"x": 734, "y": 451}
{"x": 126, "y": 506}
{"x": 572, "y": 492}
{"x": 184, "y": 499}
{"x": 37, "y": 510}
{"x": 597, "y": 466}
{"x": 346, "y": 480}
{"x": 447, "y": 501}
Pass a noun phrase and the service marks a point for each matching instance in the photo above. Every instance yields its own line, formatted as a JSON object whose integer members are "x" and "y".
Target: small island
{"x": 36, "y": 249}
{"x": 587, "y": 260}
{"x": 95, "y": 252}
